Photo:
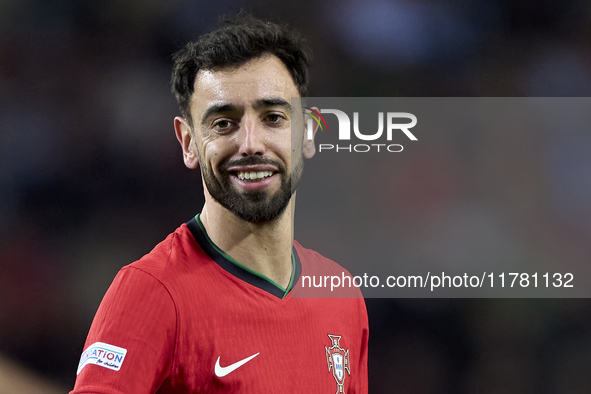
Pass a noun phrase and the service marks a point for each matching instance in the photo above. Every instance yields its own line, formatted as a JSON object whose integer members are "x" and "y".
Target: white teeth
{"x": 254, "y": 175}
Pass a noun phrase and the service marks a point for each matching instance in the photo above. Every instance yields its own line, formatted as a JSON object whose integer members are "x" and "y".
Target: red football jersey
{"x": 187, "y": 318}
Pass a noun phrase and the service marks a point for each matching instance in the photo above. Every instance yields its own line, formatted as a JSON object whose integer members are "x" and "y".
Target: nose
{"x": 251, "y": 139}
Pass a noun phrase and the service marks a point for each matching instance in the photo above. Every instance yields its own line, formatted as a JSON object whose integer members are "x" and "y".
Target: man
{"x": 210, "y": 309}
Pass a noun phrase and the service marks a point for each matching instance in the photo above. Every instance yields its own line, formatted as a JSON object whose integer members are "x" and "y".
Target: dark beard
{"x": 252, "y": 206}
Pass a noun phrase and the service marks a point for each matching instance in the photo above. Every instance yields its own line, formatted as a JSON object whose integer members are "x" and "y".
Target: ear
{"x": 308, "y": 147}
{"x": 185, "y": 136}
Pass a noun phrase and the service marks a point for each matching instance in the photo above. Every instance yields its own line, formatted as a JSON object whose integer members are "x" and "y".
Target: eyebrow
{"x": 260, "y": 103}
{"x": 217, "y": 108}
{"x": 272, "y": 102}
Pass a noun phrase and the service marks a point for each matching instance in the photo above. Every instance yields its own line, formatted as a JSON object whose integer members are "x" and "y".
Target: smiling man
{"x": 210, "y": 309}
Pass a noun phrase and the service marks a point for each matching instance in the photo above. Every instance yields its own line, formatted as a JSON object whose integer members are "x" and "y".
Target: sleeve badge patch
{"x": 104, "y": 355}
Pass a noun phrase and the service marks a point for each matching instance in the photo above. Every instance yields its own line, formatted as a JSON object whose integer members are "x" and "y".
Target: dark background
{"x": 91, "y": 176}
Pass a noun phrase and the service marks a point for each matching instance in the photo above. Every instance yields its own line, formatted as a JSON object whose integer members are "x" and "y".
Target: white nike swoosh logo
{"x": 223, "y": 371}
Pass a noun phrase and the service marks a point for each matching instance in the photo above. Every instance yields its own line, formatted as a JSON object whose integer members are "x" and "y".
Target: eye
{"x": 274, "y": 119}
{"x": 222, "y": 125}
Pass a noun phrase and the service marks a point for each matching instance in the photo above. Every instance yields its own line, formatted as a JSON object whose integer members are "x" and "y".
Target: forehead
{"x": 261, "y": 77}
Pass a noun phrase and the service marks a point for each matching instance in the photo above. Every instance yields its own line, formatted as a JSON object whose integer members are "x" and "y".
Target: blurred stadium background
{"x": 91, "y": 176}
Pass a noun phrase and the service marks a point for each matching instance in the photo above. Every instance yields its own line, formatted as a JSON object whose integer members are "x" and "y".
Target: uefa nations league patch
{"x": 102, "y": 354}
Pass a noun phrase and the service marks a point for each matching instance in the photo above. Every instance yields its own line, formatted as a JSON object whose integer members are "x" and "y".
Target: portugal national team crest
{"x": 338, "y": 361}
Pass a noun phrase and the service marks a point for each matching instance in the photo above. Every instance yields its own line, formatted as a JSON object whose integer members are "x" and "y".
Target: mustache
{"x": 251, "y": 161}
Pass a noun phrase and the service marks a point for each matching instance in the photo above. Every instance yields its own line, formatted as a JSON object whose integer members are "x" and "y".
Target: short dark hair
{"x": 233, "y": 43}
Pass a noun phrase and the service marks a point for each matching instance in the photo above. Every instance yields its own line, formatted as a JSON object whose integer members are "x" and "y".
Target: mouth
{"x": 254, "y": 179}
{"x": 253, "y": 176}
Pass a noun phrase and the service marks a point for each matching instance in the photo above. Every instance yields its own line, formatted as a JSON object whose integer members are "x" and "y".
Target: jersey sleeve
{"x": 361, "y": 384}
{"x": 131, "y": 342}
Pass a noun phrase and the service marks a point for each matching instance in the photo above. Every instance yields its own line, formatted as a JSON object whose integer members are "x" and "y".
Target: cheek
{"x": 215, "y": 154}
{"x": 282, "y": 142}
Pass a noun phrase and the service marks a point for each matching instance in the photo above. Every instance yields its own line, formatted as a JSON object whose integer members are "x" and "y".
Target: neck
{"x": 262, "y": 247}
